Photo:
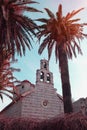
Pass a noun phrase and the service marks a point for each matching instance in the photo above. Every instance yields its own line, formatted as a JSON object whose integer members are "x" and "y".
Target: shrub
{"x": 75, "y": 121}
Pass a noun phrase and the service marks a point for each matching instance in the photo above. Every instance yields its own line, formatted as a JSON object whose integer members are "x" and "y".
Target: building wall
{"x": 39, "y": 101}
{"x": 80, "y": 106}
{"x": 13, "y": 110}
{"x": 33, "y": 105}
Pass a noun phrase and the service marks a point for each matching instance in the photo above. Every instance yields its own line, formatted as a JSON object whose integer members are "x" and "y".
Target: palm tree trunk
{"x": 66, "y": 89}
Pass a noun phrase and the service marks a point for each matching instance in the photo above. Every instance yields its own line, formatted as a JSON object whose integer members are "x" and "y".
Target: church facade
{"x": 38, "y": 101}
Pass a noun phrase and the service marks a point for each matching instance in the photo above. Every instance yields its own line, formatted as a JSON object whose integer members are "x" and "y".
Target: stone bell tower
{"x": 43, "y": 75}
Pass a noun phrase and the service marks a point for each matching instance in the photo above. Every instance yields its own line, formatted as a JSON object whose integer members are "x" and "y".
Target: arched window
{"x": 48, "y": 78}
{"x": 41, "y": 76}
{"x": 23, "y": 86}
{"x": 45, "y": 65}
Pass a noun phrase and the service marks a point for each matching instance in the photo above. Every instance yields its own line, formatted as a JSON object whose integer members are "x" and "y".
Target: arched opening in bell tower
{"x": 41, "y": 76}
{"x": 48, "y": 78}
{"x": 45, "y": 65}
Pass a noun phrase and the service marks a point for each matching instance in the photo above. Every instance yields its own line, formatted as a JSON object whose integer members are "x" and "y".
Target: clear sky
{"x": 77, "y": 66}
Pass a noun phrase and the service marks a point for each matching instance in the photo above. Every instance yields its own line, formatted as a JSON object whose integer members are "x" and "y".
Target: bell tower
{"x": 43, "y": 75}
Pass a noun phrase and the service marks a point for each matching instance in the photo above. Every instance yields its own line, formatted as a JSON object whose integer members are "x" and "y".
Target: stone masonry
{"x": 39, "y": 101}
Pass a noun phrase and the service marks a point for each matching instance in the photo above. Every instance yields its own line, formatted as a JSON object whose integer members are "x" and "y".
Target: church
{"x": 37, "y": 101}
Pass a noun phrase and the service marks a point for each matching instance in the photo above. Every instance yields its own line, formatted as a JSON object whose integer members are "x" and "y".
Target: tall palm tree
{"x": 64, "y": 35}
{"x": 16, "y": 28}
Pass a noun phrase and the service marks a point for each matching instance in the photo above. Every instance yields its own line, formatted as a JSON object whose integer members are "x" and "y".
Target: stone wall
{"x": 43, "y": 103}
{"x": 12, "y": 110}
{"x": 80, "y": 106}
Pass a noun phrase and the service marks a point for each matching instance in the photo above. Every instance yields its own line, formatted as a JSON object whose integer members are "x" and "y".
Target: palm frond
{"x": 56, "y": 52}
{"x": 77, "y": 47}
{"x": 50, "y": 48}
{"x": 51, "y": 15}
{"x": 26, "y": 2}
{"x": 73, "y": 21}
{"x": 6, "y": 94}
{"x": 42, "y": 20}
{"x": 14, "y": 22}
{"x": 7, "y": 78}
{"x": 30, "y": 9}
{"x": 59, "y": 13}
{"x": 73, "y": 13}
{"x": 1, "y": 97}
{"x": 44, "y": 44}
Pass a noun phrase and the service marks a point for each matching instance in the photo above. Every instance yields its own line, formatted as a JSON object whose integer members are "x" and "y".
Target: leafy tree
{"x": 16, "y": 33}
{"x": 7, "y": 79}
{"x": 63, "y": 34}
{"x": 16, "y": 28}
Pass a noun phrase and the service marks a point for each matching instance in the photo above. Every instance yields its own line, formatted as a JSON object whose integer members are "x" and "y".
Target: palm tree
{"x": 16, "y": 28}
{"x": 64, "y": 35}
{"x": 7, "y": 79}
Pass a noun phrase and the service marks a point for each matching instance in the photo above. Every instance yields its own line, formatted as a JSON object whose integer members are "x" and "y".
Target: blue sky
{"x": 77, "y": 66}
